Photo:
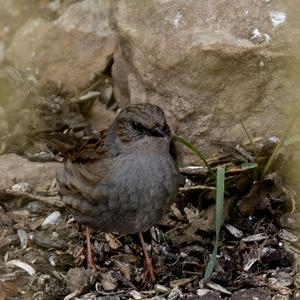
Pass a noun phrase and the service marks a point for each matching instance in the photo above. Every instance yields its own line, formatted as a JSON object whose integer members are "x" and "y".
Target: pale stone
{"x": 209, "y": 65}
{"x": 68, "y": 51}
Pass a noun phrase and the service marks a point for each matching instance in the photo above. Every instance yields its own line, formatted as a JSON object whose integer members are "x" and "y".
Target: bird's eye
{"x": 137, "y": 127}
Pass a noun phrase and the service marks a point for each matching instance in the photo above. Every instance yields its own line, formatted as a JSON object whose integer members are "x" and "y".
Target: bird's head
{"x": 142, "y": 124}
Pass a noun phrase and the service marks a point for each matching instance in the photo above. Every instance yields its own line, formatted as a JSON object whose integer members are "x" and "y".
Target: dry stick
{"x": 250, "y": 139}
{"x": 197, "y": 187}
{"x": 90, "y": 87}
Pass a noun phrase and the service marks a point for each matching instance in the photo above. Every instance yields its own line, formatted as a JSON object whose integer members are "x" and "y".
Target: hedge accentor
{"x": 124, "y": 179}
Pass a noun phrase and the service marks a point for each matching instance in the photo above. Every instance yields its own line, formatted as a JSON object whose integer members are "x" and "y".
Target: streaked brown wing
{"x": 82, "y": 182}
{"x": 76, "y": 149}
{"x": 60, "y": 142}
{"x": 88, "y": 150}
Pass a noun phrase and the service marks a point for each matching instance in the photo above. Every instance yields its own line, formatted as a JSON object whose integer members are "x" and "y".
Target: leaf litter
{"x": 43, "y": 249}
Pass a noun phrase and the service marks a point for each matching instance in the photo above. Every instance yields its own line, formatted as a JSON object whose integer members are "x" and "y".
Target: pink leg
{"x": 148, "y": 261}
{"x": 90, "y": 256}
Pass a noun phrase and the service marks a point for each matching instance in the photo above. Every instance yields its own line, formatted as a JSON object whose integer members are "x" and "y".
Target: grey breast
{"x": 130, "y": 199}
{"x": 145, "y": 188}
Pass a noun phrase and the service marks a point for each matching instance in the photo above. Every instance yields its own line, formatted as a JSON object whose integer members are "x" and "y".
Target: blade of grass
{"x": 219, "y": 216}
{"x": 292, "y": 140}
{"x": 294, "y": 116}
{"x": 197, "y": 152}
{"x": 255, "y": 170}
{"x": 248, "y": 166}
{"x": 250, "y": 139}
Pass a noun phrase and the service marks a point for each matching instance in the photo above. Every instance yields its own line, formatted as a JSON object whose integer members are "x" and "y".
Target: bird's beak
{"x": 159, "y": 132}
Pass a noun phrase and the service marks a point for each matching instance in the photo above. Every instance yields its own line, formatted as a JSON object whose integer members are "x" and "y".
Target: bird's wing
{"x": 60, "y": 142}
{"x": 83, "y": 181}
{"x": 76, "y": 149}
{"x": 88, "y": 150}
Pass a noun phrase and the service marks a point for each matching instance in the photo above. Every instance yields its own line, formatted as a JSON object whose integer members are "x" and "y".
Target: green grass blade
{"x": 291, "y": 140}
{"x": 248, "y": 166}
{"x": 197, "y": 152}
{"x": 219, "y": 216}
{"x": 250, "y": 139}
{"x": 292, "y": 119}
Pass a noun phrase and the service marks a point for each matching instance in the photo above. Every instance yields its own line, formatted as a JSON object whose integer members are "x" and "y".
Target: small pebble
{"x": 23, "y": 238}
{"x": 43, "y": 280}
{"x": 21, "y": 187}
{"x": 44, "y": 240}
{"x": 206, "y": 294}
{"x": 78, "y": 280}
{"x": 52, "y": 260}
{"x": 255, "y": 237}
{"x": 218, "y": 288}
{"x": 136, "y": 295}
{"x": 175, "y": 294}
{"x": 54, "y": 218}
{"x": 35, "y": 207}
{"x": 161, "y": 289}
{"x": 287, "y": 236}
{"x": 234, "y": 231}
{"x": 109, "y": 282}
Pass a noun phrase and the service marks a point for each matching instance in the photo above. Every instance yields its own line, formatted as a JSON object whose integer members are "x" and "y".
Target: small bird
{"x": 123, "y": 179}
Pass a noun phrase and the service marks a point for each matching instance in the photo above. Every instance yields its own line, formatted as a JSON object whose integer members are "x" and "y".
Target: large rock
{"x": 13, "y": 14}
{"x": 15, "y": 169}
{"x": 21, "y": 178}
{"x": 69, "y": 50}
{"x": 209, "y": 64}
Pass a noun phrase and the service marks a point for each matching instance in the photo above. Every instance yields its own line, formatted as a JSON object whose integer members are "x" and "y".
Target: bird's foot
{"x": 149, "y": 269}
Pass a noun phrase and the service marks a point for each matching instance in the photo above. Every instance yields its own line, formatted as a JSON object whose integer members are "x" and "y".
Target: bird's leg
{"x": 90, "y": 256}
{"x": 148, "y": 261}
